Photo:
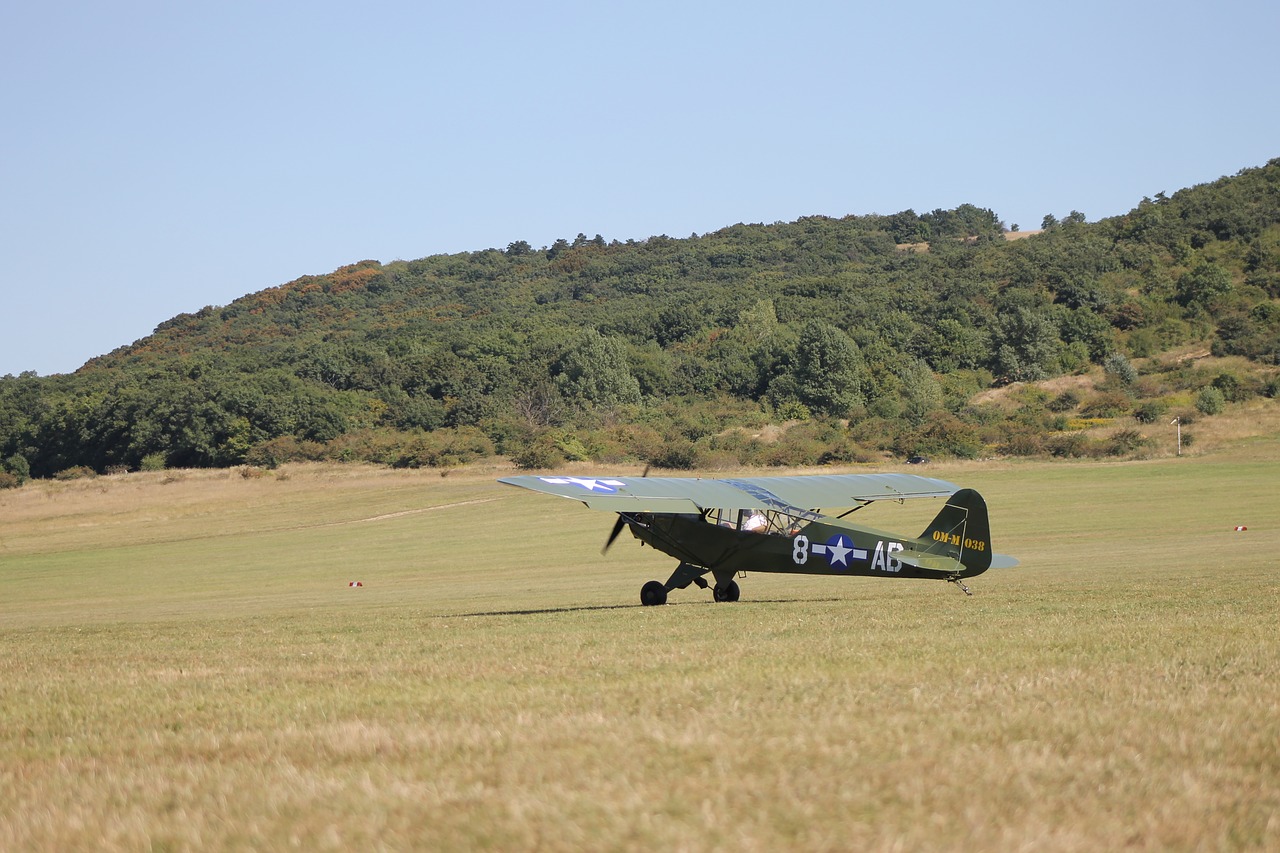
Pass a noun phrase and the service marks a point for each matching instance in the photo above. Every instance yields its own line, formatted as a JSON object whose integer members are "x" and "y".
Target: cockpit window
{"x": 750, "y": 520}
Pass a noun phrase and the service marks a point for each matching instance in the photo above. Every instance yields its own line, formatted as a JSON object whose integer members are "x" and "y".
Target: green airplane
{"x": 771, "y": 524}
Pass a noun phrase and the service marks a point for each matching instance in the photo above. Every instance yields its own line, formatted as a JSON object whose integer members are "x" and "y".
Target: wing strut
{"x": 861, "y": 505}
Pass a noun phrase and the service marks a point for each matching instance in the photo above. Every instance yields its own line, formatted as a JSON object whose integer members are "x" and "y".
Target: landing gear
{"x": 727, "y": 591}
{"x": 955, "y": 579}
{"x": 653, "y": 593}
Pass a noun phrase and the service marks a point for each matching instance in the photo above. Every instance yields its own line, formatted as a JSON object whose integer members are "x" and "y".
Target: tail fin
{"x": 961, "y": 531}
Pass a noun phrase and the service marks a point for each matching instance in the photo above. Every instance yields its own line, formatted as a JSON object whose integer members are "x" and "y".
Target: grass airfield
{"x": 185, "y": 666}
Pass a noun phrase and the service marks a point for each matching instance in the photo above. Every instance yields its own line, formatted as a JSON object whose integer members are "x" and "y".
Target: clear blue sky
{"x": 157, "y": 157}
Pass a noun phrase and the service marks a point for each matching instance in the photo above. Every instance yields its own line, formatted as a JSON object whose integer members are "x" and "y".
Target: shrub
{"x": 1108, "y": 405}
{"x": 381, "y": 446}
{"x": 77, "y": 472}
{"x": 1023, "y": 444}
{"x": 1142, "y": 343}
{"x": 282, "y": 449}
{"x": 573, "y": 448}
{"x": 1150, "y": 412}
{"x": 1119, "y": 367}
{"x": 1069, "y": 444}
{"x": 678, "y": 455}
{"x": 1064, "y": 402}
{"x": 1074, "y": 357}
{"x": 540, "y": 453}
{"x": 628, "y": 442}
{"x": 1210, "y": 401}
{"x": 941, "y": 434}
{"x": 718, "y": 460}
{"x": 798, "y": 446}
{"x": 793, "y": 410}
{"x": 9, "y": 481}
{"x": 18, "y": 466}
{"x": 1125, "y": 441}
{"x": 983, "y": 414}
{"x": 153, "y": 462}
{"x": 444, "y": 448}
{"x": 1232, "y": 388}
{"x": 844, "y": 450}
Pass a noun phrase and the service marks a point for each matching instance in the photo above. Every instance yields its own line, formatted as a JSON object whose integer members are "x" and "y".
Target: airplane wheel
{"x": 728, "y": 592}
{"x": 653, "y": 593}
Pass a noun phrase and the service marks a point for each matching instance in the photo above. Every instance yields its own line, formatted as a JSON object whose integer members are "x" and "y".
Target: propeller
{"x": 613, "y": 534}
{"x": 621, "y": 522}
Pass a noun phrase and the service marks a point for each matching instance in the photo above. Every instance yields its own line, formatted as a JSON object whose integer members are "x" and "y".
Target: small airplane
{"x": 728, "y": 527}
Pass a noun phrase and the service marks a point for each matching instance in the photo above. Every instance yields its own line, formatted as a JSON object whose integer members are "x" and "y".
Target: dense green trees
{"x": 877, "y": 329}
{"x": 595, "y": 371}
{"x": 827, "y": 373}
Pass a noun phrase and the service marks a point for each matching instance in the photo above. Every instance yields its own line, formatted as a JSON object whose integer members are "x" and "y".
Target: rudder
{"x": 961, "y": 531}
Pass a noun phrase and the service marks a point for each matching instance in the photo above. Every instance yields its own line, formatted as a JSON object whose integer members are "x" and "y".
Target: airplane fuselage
{"x": 825, "y": 547}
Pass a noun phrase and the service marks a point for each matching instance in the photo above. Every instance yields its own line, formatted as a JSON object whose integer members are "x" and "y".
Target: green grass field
{"x": 185, "y": 666}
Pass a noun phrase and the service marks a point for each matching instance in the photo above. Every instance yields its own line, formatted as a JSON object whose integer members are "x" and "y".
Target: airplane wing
{"x": 816, "y": 491}
{"x": 694, "y": 494}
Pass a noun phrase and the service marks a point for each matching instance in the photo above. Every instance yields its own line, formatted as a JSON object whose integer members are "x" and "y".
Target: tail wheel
{"x": 727, "y": 592}
{"x": 653, "y": 593}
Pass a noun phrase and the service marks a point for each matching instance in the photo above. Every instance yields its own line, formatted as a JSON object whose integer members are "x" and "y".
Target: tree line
{"x": 864, "y": 334}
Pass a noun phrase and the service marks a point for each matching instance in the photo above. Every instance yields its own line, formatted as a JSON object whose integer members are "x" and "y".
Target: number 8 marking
{"x": 800, "y": 550}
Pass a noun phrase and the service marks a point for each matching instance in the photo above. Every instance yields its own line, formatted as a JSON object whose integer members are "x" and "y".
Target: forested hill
{"x": 872, "y": 333}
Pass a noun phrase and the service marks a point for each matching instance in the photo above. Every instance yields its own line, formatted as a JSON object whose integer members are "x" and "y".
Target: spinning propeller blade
{"x": 613, "y": 534}
{"x": 621, "y": 522}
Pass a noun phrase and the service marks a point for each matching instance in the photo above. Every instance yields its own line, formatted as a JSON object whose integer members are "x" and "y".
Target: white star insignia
{"x": 839, "y": 552}
{"x": 590, "y": 485}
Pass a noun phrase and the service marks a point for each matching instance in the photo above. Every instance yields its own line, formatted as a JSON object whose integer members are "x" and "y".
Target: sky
{"x": 158, "y": 157}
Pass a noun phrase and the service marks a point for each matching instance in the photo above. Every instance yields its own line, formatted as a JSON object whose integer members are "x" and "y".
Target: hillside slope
{"x": 873, "y": 333}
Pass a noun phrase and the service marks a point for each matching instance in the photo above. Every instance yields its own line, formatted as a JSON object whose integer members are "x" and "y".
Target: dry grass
{"x": 185, "y": 667}
{"x": 1255, "y": 422}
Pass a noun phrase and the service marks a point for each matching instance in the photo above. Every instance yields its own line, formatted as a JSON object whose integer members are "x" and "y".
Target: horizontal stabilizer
{"x": 932, "y": 562}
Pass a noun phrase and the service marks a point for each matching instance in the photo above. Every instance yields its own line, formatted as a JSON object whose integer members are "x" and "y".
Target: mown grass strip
{"x": 209, "y": 679}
